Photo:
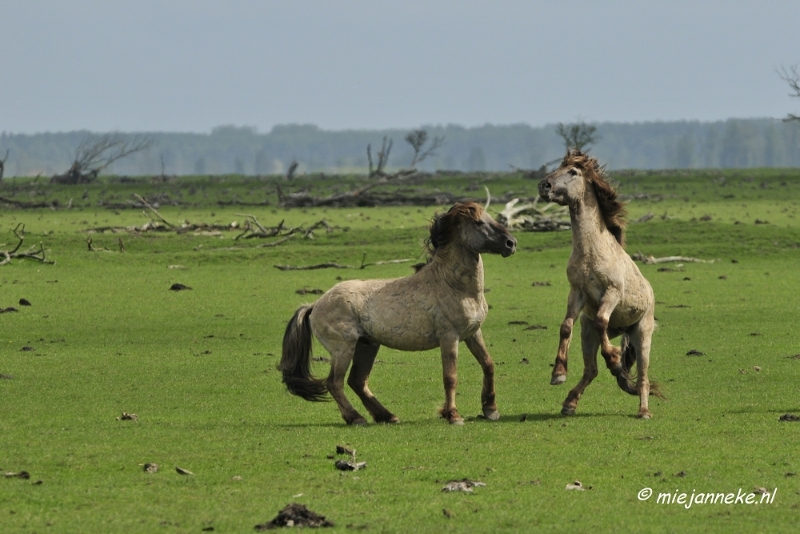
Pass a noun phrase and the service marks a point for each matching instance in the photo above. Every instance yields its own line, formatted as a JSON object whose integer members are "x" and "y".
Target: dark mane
{"x": 612, "y": 209}
{"x": 444, "y": 225}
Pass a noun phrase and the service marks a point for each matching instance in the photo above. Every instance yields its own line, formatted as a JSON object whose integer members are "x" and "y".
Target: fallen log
{"x": 651, "y": 260}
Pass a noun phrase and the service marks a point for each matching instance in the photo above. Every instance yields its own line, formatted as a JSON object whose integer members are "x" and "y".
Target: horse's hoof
{"x": 492, "y": 416}
{"x": 645, "y": 415}
{"x": 391, "y": 418}
{"x": 457, "y": 422}
{"x": 359, "y": 421}
{"x": 557, "y": 380}
{"x": 568, "y": 410}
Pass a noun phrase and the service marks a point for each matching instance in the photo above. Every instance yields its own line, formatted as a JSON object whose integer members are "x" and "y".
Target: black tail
{"x": 627, "y": 380}
{"x": 296, "y": 358}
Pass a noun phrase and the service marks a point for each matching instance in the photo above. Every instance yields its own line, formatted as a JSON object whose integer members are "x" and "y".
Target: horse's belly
{"x": 402, "y": 330}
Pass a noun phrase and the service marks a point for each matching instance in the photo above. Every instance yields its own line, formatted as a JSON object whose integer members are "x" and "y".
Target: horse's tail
{"x": 626, "y": 380}
{"x": 296, "y": 358}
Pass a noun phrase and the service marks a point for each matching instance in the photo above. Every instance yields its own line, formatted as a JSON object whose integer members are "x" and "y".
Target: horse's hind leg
{"x": 363, "y": 360}
{"x": 341, "y": 343}
{"x": 477, "y": 347}
{"x": 641, "y": 336}
{"x": 590, "y": 342}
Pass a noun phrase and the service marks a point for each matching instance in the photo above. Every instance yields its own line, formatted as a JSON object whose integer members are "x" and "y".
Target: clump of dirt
{"x": 179, "y": 287}
{"x": 295, "y": 515}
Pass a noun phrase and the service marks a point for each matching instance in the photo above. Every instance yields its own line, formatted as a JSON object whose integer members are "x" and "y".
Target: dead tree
{"x": 792, "y": 77}
{"x": 417, "y": 140}
{"x": 292, "y": 169}
{"x": 3, "y": 165}
{"x": 577, "y": 135}
{"x": 96, "y": 153}
{"x": 383, "y": 158}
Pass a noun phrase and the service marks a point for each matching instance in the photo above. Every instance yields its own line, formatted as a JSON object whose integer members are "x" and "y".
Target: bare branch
{"x": 160, "y": 217}
{"x": 417, "y": 140}
{"x": 33, "y": 253}
{"x": 96, "y": 153}
{"x": 791, "y": 77}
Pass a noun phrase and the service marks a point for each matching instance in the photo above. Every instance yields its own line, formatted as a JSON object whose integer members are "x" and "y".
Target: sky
{"x": 191, "y": 65}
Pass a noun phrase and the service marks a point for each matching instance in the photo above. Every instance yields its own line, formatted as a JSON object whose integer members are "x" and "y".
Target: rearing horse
{"x": 439, "y": 306}
{"x": 605, "y": 283}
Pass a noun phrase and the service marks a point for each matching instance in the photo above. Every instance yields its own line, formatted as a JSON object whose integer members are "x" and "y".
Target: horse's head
{"x": 471, "y": 226}
{"x": 577, "y": 174}
{"x": 567, "y": 184}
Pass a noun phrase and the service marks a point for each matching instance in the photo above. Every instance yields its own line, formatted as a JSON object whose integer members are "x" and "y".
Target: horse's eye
{"x": 479, "y": 222}
{"x": 573, "y": 172}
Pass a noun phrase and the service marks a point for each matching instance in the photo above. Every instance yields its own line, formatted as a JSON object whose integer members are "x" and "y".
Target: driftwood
{"x": 252, "y": 228}
{"x": 367, "y": 196}
{"x": 533, "y": 218}
{"x": 33, "y": 253}
{"x": 335, "y": 265}
{"x": 650, "y": 260}
{"x": 52, "y": 204}
{"x": 151, "y": 208}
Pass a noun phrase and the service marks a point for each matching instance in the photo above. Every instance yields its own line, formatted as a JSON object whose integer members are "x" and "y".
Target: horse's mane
{"x": 444, "y": 225}
{"x": 612, "y": 209}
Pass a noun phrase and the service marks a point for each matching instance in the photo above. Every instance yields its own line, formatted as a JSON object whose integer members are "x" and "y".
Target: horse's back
{"x": 410, "y": 313}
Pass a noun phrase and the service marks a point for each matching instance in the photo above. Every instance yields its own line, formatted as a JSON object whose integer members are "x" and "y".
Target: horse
{"x": 438, "y": 306}
{"x": 606, "y": 287}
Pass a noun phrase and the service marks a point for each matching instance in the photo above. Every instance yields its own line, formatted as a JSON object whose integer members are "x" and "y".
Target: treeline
{"x": 735, "y": 143}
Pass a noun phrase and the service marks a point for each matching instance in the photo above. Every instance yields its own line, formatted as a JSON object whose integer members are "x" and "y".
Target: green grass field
{"x": 105, "y": 335}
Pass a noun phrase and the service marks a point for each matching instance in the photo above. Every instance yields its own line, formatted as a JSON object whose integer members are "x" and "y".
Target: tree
{"x": 3, "y": 165}
{"x": 578, "y": 135}
{"x": 792, "y": 77}
{"x": 383, "y": 158}
{"x": 417, "y": 140}
{"x": 96, "y": 153}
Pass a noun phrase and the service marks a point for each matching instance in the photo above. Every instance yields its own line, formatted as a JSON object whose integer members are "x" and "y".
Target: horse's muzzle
{"x": 510, "y": 247}
{"x": 545, "y": 188}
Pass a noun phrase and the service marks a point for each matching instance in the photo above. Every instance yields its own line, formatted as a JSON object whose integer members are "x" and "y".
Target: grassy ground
{"x": 198, "y": 368}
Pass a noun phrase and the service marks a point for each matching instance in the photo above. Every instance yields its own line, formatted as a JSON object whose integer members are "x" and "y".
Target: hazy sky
{"x": 190, "y": 65}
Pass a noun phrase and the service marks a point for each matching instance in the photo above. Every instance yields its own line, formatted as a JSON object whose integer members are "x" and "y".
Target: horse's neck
{"x": 460, "y": 269}
{"x": 589, "y": 232}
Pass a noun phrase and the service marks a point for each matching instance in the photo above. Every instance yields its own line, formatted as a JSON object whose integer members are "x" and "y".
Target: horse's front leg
{"x": 574, "y": 306}
{"x": 608, "y": 303}
{"x": 590, "y": 341}
{"x": 449, "y": 347}
{"x": 477, "y": 347}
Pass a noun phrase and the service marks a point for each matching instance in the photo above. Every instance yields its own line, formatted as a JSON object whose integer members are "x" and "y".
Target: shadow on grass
{"x": 514, "y": 418}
